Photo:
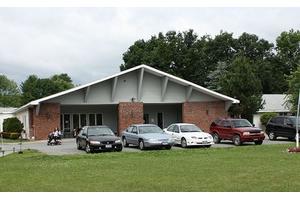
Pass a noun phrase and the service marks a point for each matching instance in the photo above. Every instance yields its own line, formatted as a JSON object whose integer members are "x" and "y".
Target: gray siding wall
{"x": 126, "y": 89}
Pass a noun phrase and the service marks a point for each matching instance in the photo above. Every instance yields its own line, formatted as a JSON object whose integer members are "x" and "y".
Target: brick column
{"x": 46, "y": 121}
{"x": 203, "y": 113}
{"x": 129, "y": 113}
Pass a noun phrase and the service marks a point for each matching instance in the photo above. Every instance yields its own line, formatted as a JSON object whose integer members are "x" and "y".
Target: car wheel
{"x": 119, "y": 149}
{"x": 216, "y": 138}
{"x": 125, "y": 144}
{"x": 258, "y": 142}
{"x": 236, "y": 140}
{"x": 88, "y": 148}
{"x": 141, "y": 145}
{"x": 183, "y": 143}
{"x": 272, "y": 136}
{"x": 168, "y": 147}
{"x": 78, "y": 146}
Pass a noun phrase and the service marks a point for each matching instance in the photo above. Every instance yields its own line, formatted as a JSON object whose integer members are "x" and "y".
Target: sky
{"x": 88, "y": 43}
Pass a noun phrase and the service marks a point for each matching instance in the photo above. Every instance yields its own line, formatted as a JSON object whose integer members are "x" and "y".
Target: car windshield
{"x": 149, "y": 129}
{"x": 189, "y": 128}
{"x": 241, "y": 123}
{"x": 294, "y": 120}
{"x": 99, "y": 131}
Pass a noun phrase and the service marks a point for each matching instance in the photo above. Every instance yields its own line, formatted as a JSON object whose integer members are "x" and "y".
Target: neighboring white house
{"x": 272, "y": 103}
{"x": 5, "y": 113}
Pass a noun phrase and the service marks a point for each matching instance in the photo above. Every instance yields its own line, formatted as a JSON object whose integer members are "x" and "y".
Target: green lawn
{"x": 12, "y": 141}
{"x": 245, "y": 168}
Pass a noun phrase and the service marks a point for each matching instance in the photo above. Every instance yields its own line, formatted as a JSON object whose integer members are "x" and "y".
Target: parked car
{"x": 185, "y": 134}
{"x": 237, "y": 130}
{"x": 98, "y": 138}
{"x": 146, "y": 136}
{"x": 282, "y": 126}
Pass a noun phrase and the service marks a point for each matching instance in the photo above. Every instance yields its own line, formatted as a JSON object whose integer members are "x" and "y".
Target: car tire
{"x": 236, "y": 140}
{"x": 272, "y": 136}
{"x": 125, "y": 144}
{"x": 216, "y": 138}
{"x": 78, "y": 146}
{"x": 259, "y": 142}
{"x": 141, "y": 145}
{"x": 168, "y": 147}
{"x": 119, "y": 149}
{"x": 183, "y": 143}
{"x": 88, "y": 148}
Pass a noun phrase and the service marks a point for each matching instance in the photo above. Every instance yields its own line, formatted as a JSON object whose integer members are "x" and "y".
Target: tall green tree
{"x": 288, "y": 49}
{"x": 294, "y": 86}
{"x": 9, "y": 92}
{"x": 36, "y": 88}
{"x": 241, "y": 82}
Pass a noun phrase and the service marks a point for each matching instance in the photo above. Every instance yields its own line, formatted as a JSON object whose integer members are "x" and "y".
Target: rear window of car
{"x": 279, "y": 120}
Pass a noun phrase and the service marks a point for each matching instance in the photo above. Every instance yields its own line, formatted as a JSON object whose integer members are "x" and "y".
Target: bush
{"x": 12, "y": 125}
{"x": 264, "y": 119}
{"x": 12, "y": 136}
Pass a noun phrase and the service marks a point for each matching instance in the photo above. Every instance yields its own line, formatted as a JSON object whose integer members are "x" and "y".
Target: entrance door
{"x": 146, "y": 118}
{"x": 82, "y": 120}
{"x": 160, "y": 120}
{"x": 66, "y": 123}
{"x": 75, "y": 121}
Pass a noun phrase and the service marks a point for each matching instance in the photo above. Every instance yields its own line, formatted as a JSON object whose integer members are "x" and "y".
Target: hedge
{"x": 12, "y": 136}
{"x": 264, "y": 119}
{"x": 12, "y": 125}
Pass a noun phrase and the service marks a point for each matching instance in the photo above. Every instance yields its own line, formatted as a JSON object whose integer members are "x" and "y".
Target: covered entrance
{"x": 162, "y": 114}
{"x": 77, "y": 116}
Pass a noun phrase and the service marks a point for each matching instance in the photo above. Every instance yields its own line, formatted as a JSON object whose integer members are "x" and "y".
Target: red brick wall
{"x": 129, "y": 113}
{"x": 202, "y": 113}
{"x": 47, "y": 120}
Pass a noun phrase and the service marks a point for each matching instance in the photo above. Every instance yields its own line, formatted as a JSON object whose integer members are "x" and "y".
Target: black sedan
{"x": 98, "y": 138}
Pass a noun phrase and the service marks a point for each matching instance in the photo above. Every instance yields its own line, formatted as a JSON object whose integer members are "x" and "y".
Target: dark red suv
{"x": 237, "y": 130}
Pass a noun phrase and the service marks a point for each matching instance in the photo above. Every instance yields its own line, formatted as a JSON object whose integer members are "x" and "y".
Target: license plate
{"x": 255, "y": 139}
{"x": 164, "y": 143}
{"x": 108, "y": 146}
{"x": 204, "y": 142}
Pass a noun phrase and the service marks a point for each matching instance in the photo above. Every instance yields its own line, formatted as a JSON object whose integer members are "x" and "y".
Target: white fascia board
{"x": 195, "y": 86}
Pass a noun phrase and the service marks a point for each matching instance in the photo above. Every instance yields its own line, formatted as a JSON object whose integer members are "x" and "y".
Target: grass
{"x": 246, "y": 168}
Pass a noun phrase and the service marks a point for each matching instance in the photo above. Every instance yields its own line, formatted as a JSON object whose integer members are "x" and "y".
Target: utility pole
{"x": 297, "y": 123}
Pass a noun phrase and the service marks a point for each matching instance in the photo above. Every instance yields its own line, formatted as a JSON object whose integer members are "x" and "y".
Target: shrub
{"x": 264, "y": 119}
{"x": 12, "y": 125}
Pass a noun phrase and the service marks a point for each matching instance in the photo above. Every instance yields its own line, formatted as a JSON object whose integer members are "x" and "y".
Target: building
{"x": 138, "y": 95}
{"x": 276, "y": 103}
{"x": 5, "y": 113}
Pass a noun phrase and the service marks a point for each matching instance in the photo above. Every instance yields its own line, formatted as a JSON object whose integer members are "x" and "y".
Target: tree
{"x": 288, "y": 49}
{"x": 241, "y": 82}
{"x": 215, "y": 77}
{"x": 9, "y": 92}
{"x": 294, "y": 86}
{"x": 36, "y": 88}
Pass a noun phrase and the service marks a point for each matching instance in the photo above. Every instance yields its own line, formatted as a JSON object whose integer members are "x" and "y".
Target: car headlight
{"x": 262, "y": 132}
{"x": 94, "y": 142}
{"x": 194, "y": 137}
{"x": 210, "y": 137}
{"x": 246, "y": 133}
{"x": 118, "y": 141}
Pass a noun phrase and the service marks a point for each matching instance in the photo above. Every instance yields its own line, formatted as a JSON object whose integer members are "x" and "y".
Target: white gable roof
{"x": 147, "y": 69}
{"x": 275, "y": 103}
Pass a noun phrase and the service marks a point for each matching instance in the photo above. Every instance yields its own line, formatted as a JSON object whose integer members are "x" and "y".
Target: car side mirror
{"x": 253, "y": 125}
{"x": 290, "y": 124}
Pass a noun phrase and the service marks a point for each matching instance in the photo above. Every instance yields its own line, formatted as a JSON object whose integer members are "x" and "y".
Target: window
{"x": 129, "y": 129}
{"x": 176, "y": 129}
{"x": 226, "y": 123}
{"x": 82, "y": 120}
{"x": 92, "y": 119}
{"x": 146, "y": 118}
{"x": 99, "y": 119}
{"x": 279, "y": 120}
{"x": 171, "y": 128}
{"x": 134, "y": 130}
{"x": 75, "y": 121}
{"x": 66, "y": 123}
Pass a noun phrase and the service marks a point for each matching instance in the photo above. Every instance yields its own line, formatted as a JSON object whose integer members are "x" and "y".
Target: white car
{"x": 189, "y": 135}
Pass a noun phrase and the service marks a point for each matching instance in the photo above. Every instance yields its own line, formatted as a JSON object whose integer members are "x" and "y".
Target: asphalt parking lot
{"x": 68, "y": 146}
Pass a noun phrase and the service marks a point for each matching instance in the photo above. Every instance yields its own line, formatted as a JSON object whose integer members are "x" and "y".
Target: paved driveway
{"x": 69, "y": 147}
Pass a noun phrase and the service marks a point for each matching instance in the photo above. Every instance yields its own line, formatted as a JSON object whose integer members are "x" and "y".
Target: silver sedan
{"x": 146, "y": 136}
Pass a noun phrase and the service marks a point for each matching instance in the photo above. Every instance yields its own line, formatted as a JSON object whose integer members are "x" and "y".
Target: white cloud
{"x": 88, "y": 43}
